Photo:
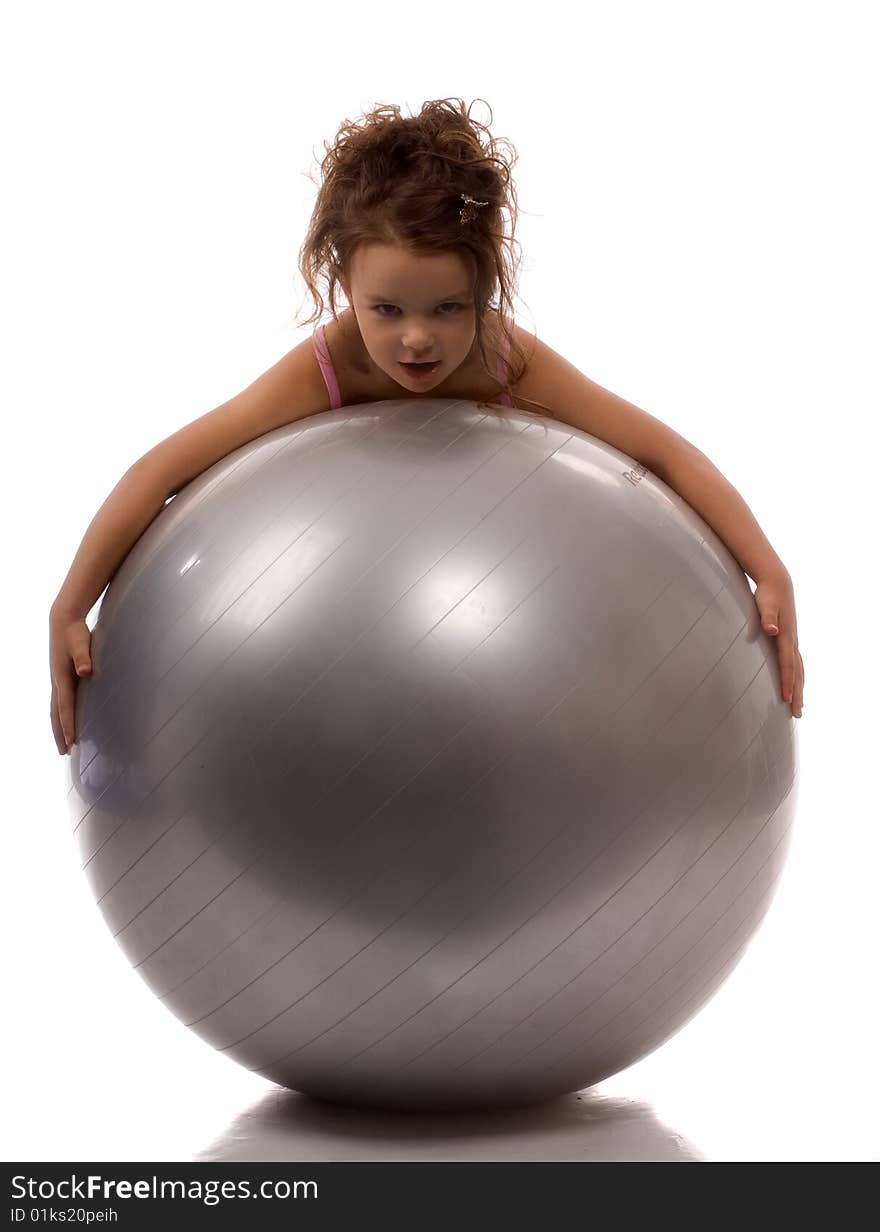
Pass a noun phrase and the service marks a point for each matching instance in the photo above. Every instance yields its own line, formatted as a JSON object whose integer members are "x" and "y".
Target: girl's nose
{"x": 420, "y": 343}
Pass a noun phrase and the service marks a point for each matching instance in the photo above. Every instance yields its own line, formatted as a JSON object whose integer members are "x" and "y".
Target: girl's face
{"x": 412, "y": 308}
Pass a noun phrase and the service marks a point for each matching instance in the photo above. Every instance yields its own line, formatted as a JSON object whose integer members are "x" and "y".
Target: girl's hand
{"x": 69, "y": 657}
{"x": 774, "y": 596}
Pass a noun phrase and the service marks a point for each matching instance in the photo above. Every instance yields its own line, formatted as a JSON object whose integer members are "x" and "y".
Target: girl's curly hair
{"x": 389, "y": 178}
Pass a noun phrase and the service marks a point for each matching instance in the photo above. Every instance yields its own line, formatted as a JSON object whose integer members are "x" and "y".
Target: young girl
{"x": 409, "y": 224}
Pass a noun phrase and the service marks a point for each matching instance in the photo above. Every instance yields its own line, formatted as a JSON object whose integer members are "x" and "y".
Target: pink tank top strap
{"x": 325, "y": 363}
{"x": 503, "y": 371}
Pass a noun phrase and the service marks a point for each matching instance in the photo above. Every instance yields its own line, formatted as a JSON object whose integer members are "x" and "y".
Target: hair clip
{"x": 467, "y": 211}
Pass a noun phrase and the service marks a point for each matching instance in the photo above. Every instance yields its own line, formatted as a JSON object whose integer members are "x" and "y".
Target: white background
{"x": 699, "y": 226}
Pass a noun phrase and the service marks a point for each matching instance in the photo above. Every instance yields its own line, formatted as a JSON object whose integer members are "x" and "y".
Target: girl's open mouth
{"x": 421, "y": 370}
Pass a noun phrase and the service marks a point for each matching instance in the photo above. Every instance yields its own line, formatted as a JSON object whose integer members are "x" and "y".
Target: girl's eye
{"x": 449, "y": 304}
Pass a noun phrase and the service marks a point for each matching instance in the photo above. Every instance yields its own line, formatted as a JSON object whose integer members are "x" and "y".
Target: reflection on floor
{"x": 583, "y": 1127}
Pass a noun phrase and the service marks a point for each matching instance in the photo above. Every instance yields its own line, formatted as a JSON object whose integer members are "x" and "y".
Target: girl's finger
{"x": 57, "y": 732}
{"x": 785, "y": 671}
{"x": 64, "y": 702}
{"x": 800, "y": 683}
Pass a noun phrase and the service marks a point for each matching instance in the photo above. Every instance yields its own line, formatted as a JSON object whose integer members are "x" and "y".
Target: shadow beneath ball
{"x": 583, "y": 1127}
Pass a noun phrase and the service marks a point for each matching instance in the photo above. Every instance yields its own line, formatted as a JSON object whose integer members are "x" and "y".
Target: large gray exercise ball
{"x": 434, "y": 757}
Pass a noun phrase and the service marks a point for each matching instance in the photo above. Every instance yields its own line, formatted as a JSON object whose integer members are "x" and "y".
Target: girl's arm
{"x": 690, "y": 473}
{"x": 291, "y": 389}
{"x": 574, "y": 399}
